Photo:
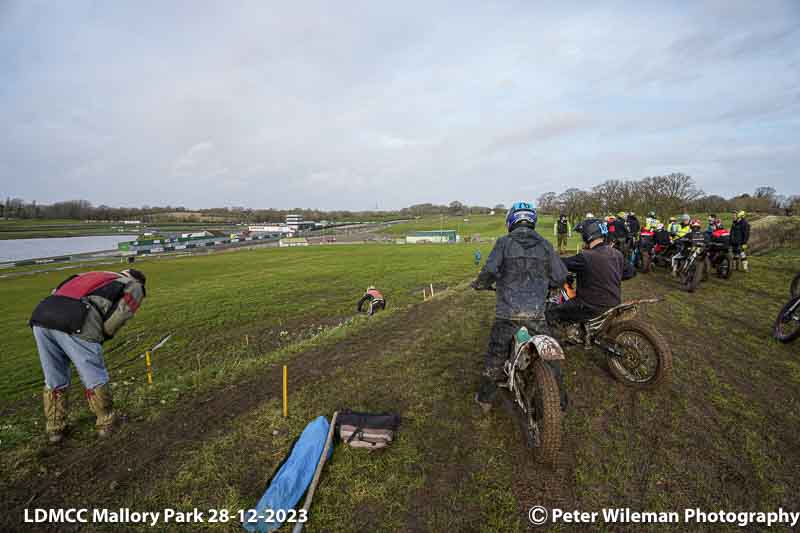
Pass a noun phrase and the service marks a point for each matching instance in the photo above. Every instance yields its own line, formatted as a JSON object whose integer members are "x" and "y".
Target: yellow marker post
{"x": 285, "y": 391}
{"x": 149, "y": 367}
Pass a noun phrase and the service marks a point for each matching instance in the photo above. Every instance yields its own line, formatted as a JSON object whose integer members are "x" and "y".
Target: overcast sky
{"x": 357, "y": 104}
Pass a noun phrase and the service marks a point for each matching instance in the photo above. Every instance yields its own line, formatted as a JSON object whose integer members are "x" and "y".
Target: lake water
{"x": 21, "y": 249}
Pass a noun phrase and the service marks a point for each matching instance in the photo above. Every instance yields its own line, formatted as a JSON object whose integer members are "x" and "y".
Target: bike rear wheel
{"x": 646, "y": 358}
{"x": 724, "y": 267}
{"x": 787, "y": 325}
{"x": 544, "y": 413}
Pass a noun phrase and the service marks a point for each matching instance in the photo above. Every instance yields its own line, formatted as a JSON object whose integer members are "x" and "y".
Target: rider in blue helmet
{"x": 524, "y": 267}
{"x": 521, "y": 213}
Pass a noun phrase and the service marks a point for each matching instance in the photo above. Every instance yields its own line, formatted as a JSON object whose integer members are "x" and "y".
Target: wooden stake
{"x": 285, "y": 391}
{"x": 246, "y": 341}
{"x": 431, "y": 290}
{"x": 149, "y": 367}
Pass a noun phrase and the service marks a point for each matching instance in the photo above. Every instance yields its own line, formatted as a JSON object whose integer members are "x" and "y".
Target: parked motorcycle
{"x": 719, "y": 253}
{"x": 691, "y": 264}
{"x": 787, "y": 325}
{"x": 638, "y": 355}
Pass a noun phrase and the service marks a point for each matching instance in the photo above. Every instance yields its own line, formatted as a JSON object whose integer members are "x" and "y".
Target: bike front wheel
{"x": 787, "y": 325}
{"x": 544, "y": 413}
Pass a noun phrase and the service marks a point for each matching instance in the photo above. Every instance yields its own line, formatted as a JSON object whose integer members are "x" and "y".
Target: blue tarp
{"x": 294, "y": 476}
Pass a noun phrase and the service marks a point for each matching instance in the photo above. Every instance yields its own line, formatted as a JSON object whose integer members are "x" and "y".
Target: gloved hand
{"x": 475, "y": 285}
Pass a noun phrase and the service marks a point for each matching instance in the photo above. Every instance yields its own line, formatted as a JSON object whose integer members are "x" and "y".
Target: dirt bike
{"x": 720, "y": 260}
{"x": 691, "y": 265}
{"x": 534, "y": 387}
{"x": 372, "y": 304}
{"x": 638, "y": 355}
{"x": 787, "y": 325}
{"x": 719, "y": 252}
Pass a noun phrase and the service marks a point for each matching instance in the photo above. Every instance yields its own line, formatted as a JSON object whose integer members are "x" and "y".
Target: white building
{"x": 270, "y": 228}
{"x": 297, "y": 224}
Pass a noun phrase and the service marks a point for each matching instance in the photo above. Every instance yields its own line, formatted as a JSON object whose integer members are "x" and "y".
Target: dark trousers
{"x": 572, "y": 311}
{"x": 500, "y": 343}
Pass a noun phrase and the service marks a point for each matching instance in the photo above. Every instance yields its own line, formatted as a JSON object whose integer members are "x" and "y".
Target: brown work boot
{"x": 55, "y": 413}
{"x": 102, "y": 406}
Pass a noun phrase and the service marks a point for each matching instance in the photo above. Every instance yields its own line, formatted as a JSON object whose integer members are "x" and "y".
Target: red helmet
{"x": 695, "y": 223}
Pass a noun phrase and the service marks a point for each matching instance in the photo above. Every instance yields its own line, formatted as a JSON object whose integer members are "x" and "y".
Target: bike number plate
{"x": 547, "y": 348}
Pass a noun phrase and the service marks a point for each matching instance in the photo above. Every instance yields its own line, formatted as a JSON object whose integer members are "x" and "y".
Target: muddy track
{"x": 139, "y": 457}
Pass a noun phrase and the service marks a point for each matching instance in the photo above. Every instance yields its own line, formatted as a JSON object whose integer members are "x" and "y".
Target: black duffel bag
{"x": 60, "y": 313}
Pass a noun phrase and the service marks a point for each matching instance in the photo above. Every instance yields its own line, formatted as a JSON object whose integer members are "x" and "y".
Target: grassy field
{"x": 209, "y": 433}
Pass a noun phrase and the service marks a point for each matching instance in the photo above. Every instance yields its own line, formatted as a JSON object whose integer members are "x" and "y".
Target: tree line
{"x": 18, "y": 208}
{"x": 666, "y": 195}
{"x": 670, "y": 194}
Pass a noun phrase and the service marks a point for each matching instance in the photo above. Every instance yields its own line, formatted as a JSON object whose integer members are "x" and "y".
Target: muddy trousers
{"x": 500, "y": 343}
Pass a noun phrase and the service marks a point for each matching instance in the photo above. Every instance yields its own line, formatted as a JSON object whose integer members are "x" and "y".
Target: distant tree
{"x": 547, "y": 203}
{"x": 455, "y": 208}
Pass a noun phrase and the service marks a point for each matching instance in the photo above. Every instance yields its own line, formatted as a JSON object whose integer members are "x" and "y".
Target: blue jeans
{"x": 57, "y": 349}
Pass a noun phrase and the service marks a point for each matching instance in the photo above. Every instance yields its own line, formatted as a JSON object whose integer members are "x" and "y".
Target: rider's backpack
{"x": 366, "y": 430}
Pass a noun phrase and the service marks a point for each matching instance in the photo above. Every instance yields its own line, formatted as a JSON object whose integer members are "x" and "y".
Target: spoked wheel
{"x": 787, "y": 325}
{"x": 647, "y": 265}
{"x": 724, "y": 267}
{"x": 544, "y": 413}
{"x": 644, "y": 358}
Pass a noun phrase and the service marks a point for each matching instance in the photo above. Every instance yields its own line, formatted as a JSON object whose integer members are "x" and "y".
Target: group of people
{"x": 679, "y": 232}
{"x": 523, "y": 266}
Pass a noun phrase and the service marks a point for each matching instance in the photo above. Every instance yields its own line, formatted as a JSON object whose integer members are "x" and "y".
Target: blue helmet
{"x": 521, "y": 212}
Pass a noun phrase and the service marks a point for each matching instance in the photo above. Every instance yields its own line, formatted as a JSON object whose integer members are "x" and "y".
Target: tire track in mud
{"x": 136, "y": 456}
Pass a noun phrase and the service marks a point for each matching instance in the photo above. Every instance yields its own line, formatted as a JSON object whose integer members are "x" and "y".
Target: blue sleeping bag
{"x": 293, "y": 478}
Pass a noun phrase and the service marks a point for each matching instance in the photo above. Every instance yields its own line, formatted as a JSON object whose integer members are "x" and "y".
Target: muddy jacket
{"x": 740, "y": 232}
{"x": 600, "y": 272}
{"x": 110, "y": 299}
{"x": 524, "y": 266}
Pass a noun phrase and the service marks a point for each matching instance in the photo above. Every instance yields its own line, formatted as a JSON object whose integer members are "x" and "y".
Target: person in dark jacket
{"x": 562, "y": 231}
{"x": 633, "y": 225}
{"x": 71, "y": 325}
{"x": 740, "y": 235}
{"x": 524, "y": 267}
{"x": 599, "y": 269}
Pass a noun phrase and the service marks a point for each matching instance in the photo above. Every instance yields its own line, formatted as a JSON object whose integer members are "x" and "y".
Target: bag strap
{"x": 359, "y": 429}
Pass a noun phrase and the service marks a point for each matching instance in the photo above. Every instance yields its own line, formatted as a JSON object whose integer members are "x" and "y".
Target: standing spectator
{"x": 740, "y": 234}
{"x": 562, "y": 231}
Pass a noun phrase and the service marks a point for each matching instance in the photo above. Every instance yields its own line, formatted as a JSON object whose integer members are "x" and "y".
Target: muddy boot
{"x": 55, "y": 413}
{"x": 101, "y": 405}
